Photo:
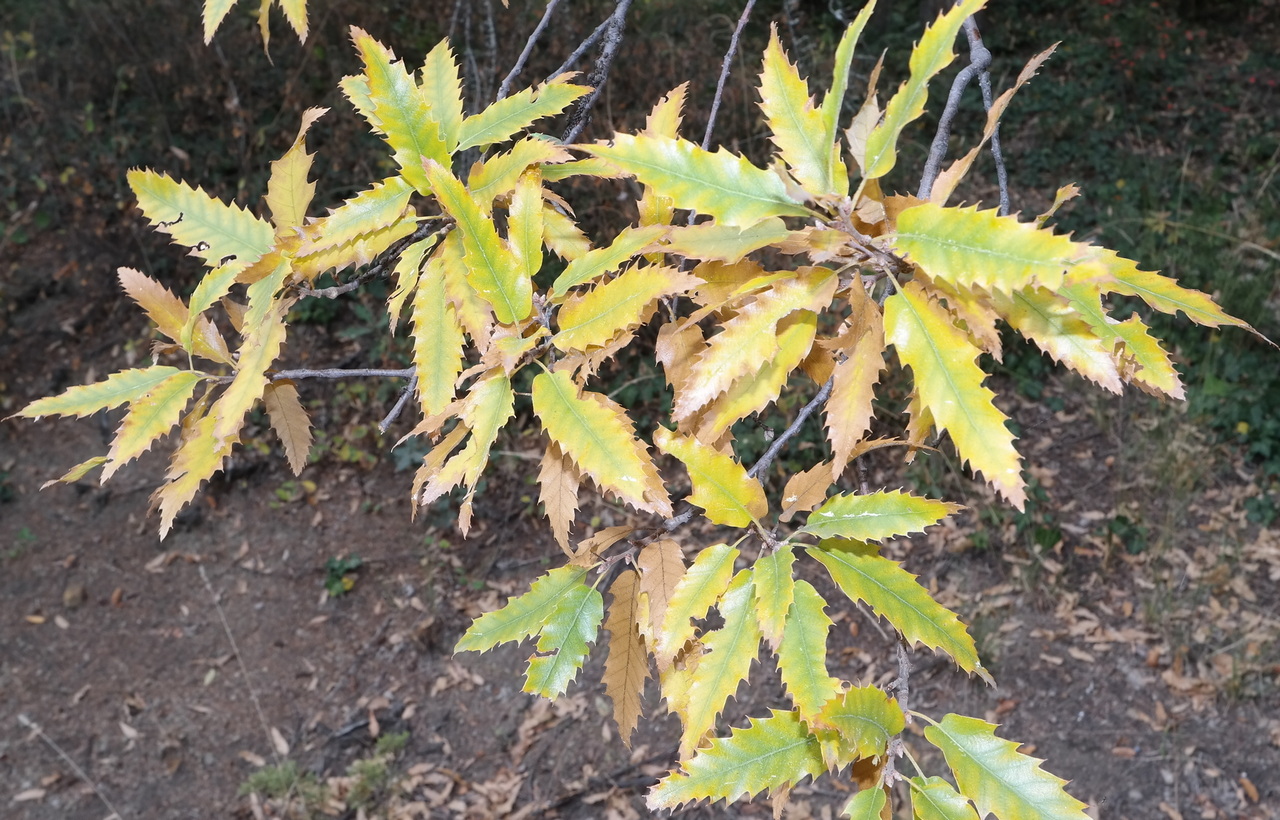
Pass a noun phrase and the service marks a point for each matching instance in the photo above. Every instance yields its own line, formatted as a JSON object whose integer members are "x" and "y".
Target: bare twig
{"x": 901, "y": 687}
{"x": 580, "y": 116}
{"x": 244, "y": 670}
{"x": 583, "y": 47}
{"x": 28, "y": 723}
{"x": 333, "y": 373}
{"x": 505, "y": 86}
{"x": 762, "y": 466}
{"x": 979, "y": 62}
{"x": 405, "y": 394}
{"x": 724, "y": 73}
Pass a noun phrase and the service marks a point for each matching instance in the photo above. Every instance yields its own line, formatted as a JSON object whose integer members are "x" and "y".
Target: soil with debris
{"x": 1130, "y": 621}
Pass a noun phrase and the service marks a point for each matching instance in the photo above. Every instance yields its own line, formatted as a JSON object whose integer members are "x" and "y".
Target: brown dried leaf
{"x": 290, "y": 421}
{"x": 558, "y": 483}
{"x": 627, "y": 664}
{"x": 806, "y": 490}
{"x": 661, "y": 566}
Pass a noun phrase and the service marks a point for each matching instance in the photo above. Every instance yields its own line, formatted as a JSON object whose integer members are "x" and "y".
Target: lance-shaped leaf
{"x": 721, "y": 486}
{"x": 289, "y": 192}
{"x": 973, "y": 313}
{"x": 212, "y": 15}
{"x": 215, "y": 232}
{"x": 195, "y": 461}
{"x": 1050, "y": 321}
{"x": 437, "y": 340}
{"x": 401, "y": 110}
{"x": 877, "y": 516}
{"x": 260, "y": 349}
{"x": 407, "y": 270}
{"x": 626, "y": 667}
{"x": 441, "y": 86}
{"x": 730, "y": 651}
{"x": 593, "y": 318}
{"x": 600, "y": 261}
{"x": 749, "y": 340}
{"x": 355, "y": 87}
{"x": 559, "y": 232}
{"x": 558, "y": 482}
{"x": 932, "y": 54}
{"x": 857, "y": 724}
{"x": 753, "y": 393}
{"x": 949, "y": 384}
{"x": 474, "y": 313}
{"x": 493, "y": 269}
{"x": 150, "y": 417}
{"x": 524, "y": 222}
{"x": 523, "y": 616}
{"x": 562, "y": 643}
{"x": 360, "y": 251}
{"x": 849, "y": 408}
{"x": 774, "y": 587}
{"x": 661, "y": 566}
{"x": 77, "y": 472}
{"x": 798, "y": 128}
{"x": 894, "y": 594}
{"x": 601, "y": 440}
{"x": 802, "y": 653}
{"x": 702, "y": 584}
{"x": 933, "y": 798}
{"x": 1138, "y": 356}
{"x": 369, "y": 211}
{"x": 833, "y": 102}
{"x": 507, "y": 117}
{"x": 87, "y": 399}
{"x": 725, "y": 243}
{"x": 290, "y": 421}
{"x": 721, "y": 184}
{"x": 771, "y": 753}
{"x": 1163, "y": 293}
{"x": 170, "y": 315}
{"x": 295, "y": 11}
{"x": 972, "y": 248}
{"x": 217, "y": 283}
{"x": 996, "y": 777}
{"x": 806, "y": 490}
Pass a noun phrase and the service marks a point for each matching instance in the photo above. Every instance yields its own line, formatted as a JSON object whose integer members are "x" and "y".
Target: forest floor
{"x": 1130, "y": 619}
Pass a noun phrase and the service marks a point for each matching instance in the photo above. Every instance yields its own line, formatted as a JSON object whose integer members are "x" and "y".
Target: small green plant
{"x": 339, "y": 574}
{"x": 300, "y": 791}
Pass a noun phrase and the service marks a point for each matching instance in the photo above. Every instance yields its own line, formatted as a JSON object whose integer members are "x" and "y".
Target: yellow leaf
{"x": 626, "y": 666}
{"x": 596, "y": 433}
{"x": 698, "y": 589}
{"x": 217, "y": 233}
{"x": 496, "y": 176}
{"x": 289, "y": 192}
{"x": 721, "y": 486}
{"x": 295, "y": 11}
{"x": 1050, "y": 321}
{"x": 196, "y": 460}
{"x": 798, "y": 127}
{"x": 289, "y": 420}
{"x": 441, "y": 86}
{"x": 593, "y": 318}
{"x": 802, "y": 652}
{"x": 437, "y": 340}
{"x": 360, "y": 251}
{"x": 260, "y": 349}
{"x": 150, "y": 416}
{"x": 171, "y": 315}
{"x": 87, "y": 399}
{"x": 849, "y": 407}
{"x": 949, "y": 384}
{"x": 561, "y": 235}
{"x": 664, "y": 119}
{"x": 507, "y": 117}
{"x": 600, "y": 261}
{"x": 774, "y": 586}
{"x": 367, "y": 212}
{"x": 725, "y": 243}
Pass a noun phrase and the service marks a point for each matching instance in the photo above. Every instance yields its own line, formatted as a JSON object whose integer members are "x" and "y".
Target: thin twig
{"x": 343, "y": 373}
{"x": 583, "y": 47}
{"x": 505, "y": 86}
{"x": 984, "y": 82}
{"x": 724, "y": 73}
{"x": 386, "y": 423}
{"x": 244, "y": 671}
{"x": 580, "y": 116}
{"x": 902, "y": 693}
{"x": 762, "y": 466}
{"x": 979, "y": 61}
{"x": 28, "y": 723}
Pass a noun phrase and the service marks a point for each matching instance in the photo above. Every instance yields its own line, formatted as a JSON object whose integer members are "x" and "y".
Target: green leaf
{"x": 858, "y": 724}
{"x": 562, "y": 643}
{"x": 367, "y": 212}
{"x": 1000, "y": 781}
{"x": 929, "y": 57}
{"x": 797, "y": 126}
{"x": 721, "y": 486}
{"x": 150, "y": 417}
{"x": 771, "y": 753}
{"x": 493, "y": 269}
{"x": 592, "y": 319}
{"x": 524, "y": 222}
{"x": 509, "y": 116}
{"x": 868, "y": 804}
{"x": 702, "y": 584}
{"x": 1138, "y": 356}
{"x": 437, "y": 340}
{"x": 215, "y": 232}
{"x": 600, "y": 261}
{"x": 1164, "y": 294}
{"x": 730, "y": 651}
{"x": 802, "y": 653}
{"x": 722, "y": 184}
{"x": 77, "y": 472}
{"x": 524, "y": 616}
{"x": 596, "y": 433}
{"x": 894, "y": 594}
{"x": 933, "y": 798}
{"x": 441, "y": 87}
{"x": 875, "y": 517}
{"x": 87, "y": 399}
{"x": 949, "y": 384}
{"x": 833, "y": 102}
{"x": 1050, "y": 321}
{"x": 972, "y": 248}
{"x": 774, "y": 587}
{"x": 497, "y": 175}
{"x": 401, "y": 110}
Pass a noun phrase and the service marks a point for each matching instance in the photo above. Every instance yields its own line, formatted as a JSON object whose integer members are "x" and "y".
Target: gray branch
{"x": 528, "y": 50}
